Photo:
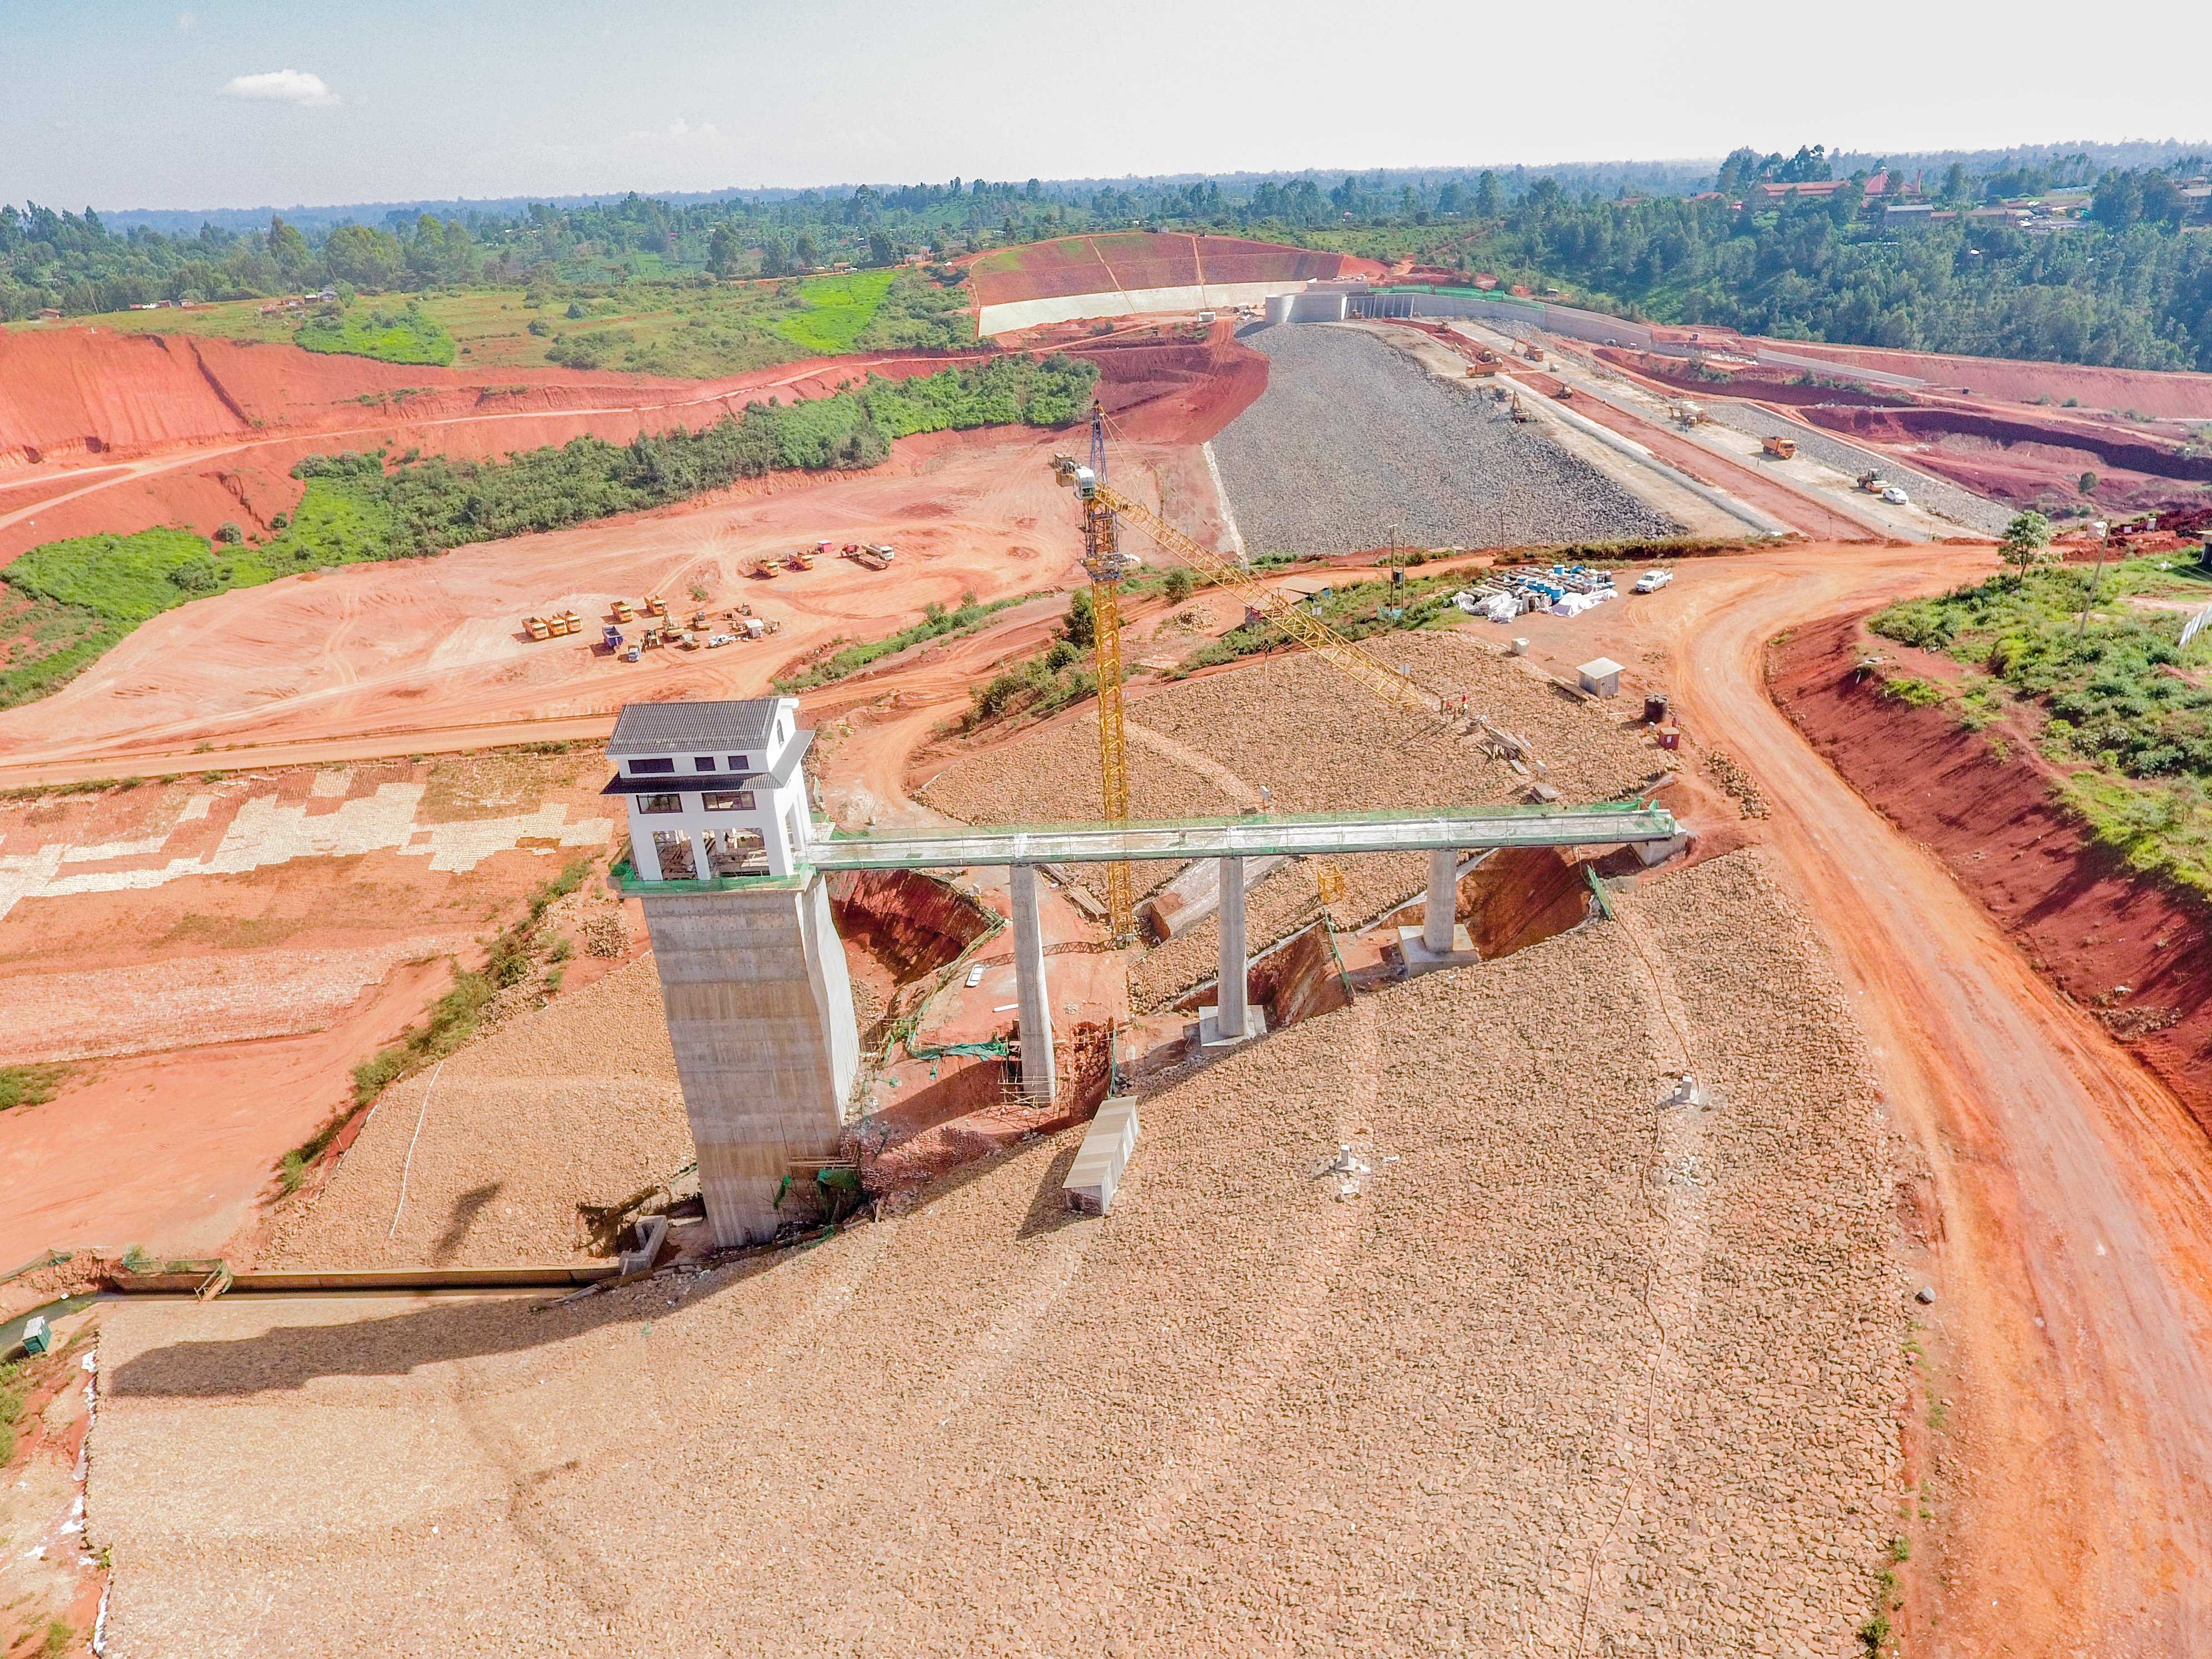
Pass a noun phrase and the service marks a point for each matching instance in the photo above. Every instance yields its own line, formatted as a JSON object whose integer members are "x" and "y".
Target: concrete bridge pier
{"x": 1232, "y": 1019}
{"x": 1032, "y": 996}
{"x": 1440, "y": 941}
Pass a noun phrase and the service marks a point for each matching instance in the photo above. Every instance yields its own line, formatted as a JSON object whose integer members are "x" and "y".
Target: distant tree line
{"x": 2127, "y": 287}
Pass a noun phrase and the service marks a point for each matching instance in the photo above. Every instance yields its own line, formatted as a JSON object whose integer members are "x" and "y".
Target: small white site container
{"x": 1600, "y": 678}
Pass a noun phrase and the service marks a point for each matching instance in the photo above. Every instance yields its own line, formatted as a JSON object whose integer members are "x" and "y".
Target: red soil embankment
{"x": 2128, "y": 947}
{"x": 1767, "y": 385}
{"x": 2115, "y": 447}
{"x": 1144, "y": 259}
{"x": 1176, "y": 393}
{"x": 2153, "y": 391}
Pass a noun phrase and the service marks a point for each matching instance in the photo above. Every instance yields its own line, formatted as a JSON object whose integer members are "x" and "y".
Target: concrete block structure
{"x": 752, "y": 975}
{"x": 1040, "y": 1080}
{"x": 1096, "y": 1172}
{"x": 760, "y": 1015}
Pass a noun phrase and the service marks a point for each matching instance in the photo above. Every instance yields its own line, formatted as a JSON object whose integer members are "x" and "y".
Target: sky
{"x": 116, "y": 104}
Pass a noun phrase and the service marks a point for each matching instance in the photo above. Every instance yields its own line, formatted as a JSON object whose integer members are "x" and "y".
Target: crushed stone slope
{"x": 574, "y": 1101}
{"x": 1354, "y": 444}
{"x": 1319, "y": 744}
{"x": 1577, "y": 1373}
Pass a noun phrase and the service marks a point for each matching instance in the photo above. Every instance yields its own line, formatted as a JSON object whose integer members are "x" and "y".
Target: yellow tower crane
{"x": 1109, "y": 567}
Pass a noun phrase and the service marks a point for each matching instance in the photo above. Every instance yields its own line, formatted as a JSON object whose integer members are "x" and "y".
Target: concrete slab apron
{"x": 760, "y": 1014}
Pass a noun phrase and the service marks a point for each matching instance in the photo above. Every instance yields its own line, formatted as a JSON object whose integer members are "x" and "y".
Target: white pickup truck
{"x": 1652, "y": 580}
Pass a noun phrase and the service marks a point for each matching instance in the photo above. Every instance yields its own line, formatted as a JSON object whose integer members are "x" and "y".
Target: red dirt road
{"x": 2073, "y": 1255}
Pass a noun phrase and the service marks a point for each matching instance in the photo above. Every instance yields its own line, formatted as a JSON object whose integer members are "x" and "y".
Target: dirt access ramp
{"x": 1566, "y": 1346}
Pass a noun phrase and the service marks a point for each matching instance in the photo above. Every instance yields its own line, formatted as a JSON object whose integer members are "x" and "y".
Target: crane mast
{"x": 1103, "y": 507}
{"x": 1109, "y": 567}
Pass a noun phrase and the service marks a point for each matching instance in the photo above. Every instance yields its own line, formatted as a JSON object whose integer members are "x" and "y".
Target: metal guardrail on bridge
{"x": 1432, "y": 830}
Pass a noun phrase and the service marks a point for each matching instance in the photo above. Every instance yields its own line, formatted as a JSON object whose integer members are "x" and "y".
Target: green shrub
{"x": 30, "y": 1085}
{"x": 936, "y": 623}
{"x": 407, "y": 335}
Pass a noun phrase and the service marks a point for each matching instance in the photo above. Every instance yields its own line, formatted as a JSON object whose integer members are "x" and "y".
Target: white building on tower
{"x": 715, "y": 789}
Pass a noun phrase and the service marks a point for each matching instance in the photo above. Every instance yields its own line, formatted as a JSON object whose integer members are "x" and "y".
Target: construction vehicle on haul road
{"x": 538, "y": 628}
{"x": 1109, "y": 566}
{"x": 1782, "y": 449}
{"x": 624, "y": 611}
{"x": 655, "y": 605}
{"x": 611, "y": 636}
{"x": 1873, "y": 482}
{"x": 801, "y": 560}
{"x": 870, "y": 556}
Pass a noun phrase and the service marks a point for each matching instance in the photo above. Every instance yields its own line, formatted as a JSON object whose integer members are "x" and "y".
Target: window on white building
{"x": 703, "y": 762}
{"x": 660, "y": 802}
{"x": 741, "y": 762}
{"x": 727, "y": 800}
{"x": 651, "y": 769}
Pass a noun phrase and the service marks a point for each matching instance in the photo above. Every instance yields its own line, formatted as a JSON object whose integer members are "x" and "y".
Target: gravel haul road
{"x": 2073, "y": 1241}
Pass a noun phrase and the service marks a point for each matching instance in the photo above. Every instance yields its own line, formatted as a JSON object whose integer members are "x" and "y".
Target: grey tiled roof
{"x": 680, "y": 728}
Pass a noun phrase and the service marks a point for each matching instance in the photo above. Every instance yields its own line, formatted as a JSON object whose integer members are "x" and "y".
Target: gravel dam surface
{"x": 1355, "y": 444}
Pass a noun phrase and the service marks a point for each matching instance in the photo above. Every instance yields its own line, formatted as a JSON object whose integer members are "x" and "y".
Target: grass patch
{"x": 836, "y": 310}
{"x": 31, "y": 1086}
{"x": 15, "y": 1389}
{"x": 47, "y": 644}
{"x": 680, "y": 326}
{"x": 409, "y": 335}
{"x": 936, "y": 623}
{"x": 1357, "y": 610}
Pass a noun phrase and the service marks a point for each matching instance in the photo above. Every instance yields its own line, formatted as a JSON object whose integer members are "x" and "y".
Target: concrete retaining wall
{"x": 1131, "y": 302}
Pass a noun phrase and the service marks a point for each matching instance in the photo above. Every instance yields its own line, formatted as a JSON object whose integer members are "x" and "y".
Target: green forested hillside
{"x": 2130, "y": 282}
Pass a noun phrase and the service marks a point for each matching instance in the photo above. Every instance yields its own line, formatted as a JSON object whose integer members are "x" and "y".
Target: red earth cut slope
{"x": 2011, "y": 379}
{"x": 69, "y": 393}
{"x": 1138, "y": 258}
{"x": 2134, "y": 951}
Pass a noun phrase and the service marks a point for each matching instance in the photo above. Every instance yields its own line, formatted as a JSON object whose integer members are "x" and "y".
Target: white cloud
{"x": 285, "y": 85}
{"x": 704, "y": 132}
